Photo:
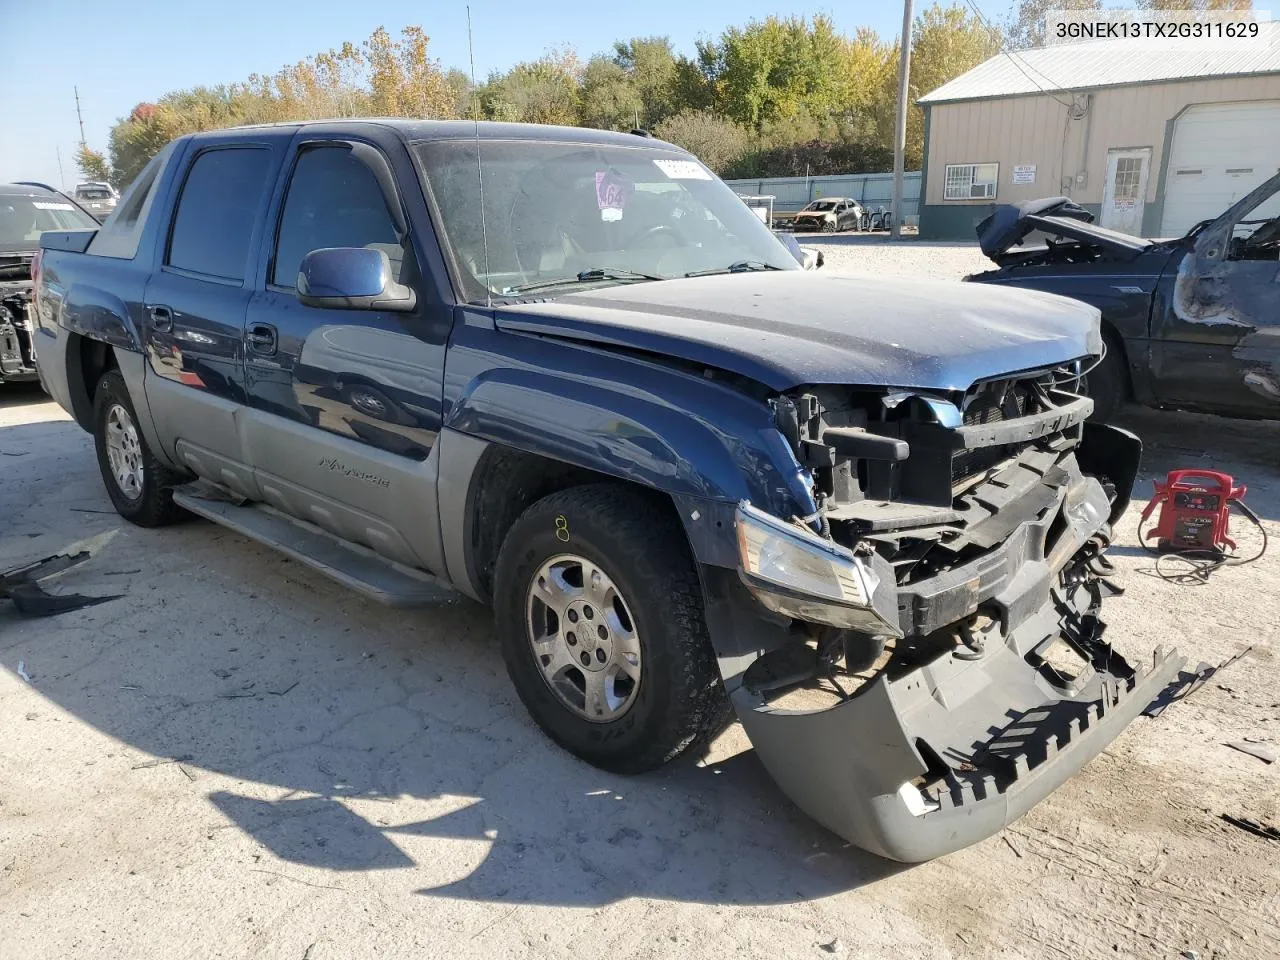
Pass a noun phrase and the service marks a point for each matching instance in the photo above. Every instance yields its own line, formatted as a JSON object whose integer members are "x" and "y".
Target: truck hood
{"x": 790, "y": 328}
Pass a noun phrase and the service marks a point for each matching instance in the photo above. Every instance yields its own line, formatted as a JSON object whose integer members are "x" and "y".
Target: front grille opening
{"x": 998, "y": 401}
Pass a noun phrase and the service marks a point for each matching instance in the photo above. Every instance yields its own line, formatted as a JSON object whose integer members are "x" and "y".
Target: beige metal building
{"x": 1151, "y": 140}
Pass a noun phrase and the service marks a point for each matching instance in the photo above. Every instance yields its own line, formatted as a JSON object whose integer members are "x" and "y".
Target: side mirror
{"x": 352, "y": 278}
{"x": 789, "y": 241}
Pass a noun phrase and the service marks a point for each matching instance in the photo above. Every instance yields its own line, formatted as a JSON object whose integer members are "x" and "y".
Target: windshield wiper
{"x": 584, "y": 276}
{"x": 740, "y": 266}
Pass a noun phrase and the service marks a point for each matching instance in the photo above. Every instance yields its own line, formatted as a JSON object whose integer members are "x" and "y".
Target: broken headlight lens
{"x": 801, "y": 575}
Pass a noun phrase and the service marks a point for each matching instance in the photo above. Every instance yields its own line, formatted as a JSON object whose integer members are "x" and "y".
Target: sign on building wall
{"x": 1024, "y": 173}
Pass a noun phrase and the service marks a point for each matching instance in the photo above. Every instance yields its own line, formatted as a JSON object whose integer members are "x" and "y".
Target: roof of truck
{"x": 410, "y": 129}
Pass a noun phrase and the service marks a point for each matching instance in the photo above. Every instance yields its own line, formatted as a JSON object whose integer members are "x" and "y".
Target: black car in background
{"x": 1191, "y": 323}
{"x": 26, "y": 211}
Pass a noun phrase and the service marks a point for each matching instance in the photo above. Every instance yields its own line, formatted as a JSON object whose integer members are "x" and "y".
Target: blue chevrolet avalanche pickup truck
{"x": 570, "y": 374}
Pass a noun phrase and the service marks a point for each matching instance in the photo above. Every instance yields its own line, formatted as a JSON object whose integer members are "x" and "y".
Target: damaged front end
{"x": 17, "y": 353}
{"x": 923, "y": 658}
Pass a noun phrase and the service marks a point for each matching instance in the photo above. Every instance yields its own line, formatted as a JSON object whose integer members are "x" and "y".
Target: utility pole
{"x": 79, "y": 116}
{"x": 900, "y": 133}
{"x": 62, "y": 177}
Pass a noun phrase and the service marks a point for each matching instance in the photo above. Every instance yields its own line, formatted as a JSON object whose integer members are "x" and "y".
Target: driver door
{"x": 1217, "y": 345}
{"x": 345, "y": 403}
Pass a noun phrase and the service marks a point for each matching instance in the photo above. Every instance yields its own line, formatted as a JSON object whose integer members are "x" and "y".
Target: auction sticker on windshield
{"x": 683, "y": 169}
{"x": 45, "y": 205}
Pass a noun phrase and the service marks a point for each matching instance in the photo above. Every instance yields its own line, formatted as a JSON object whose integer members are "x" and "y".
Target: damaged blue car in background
{"x": 1191, "y": 323}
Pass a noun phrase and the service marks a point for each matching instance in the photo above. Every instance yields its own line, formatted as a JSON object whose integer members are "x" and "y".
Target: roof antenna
{"x": 475, "y": 112}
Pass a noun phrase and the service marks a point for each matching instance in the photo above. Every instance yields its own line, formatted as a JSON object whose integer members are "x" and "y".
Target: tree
{"x": 405, "y": 80}
{"x": 777, "y": 68}
{"x": 651, "y": 65}
{"x": 464, "y": 94}
{"x": 543, "y": 91}
{"x": 1195, "y": 5}
{"x": 717, "y": 142}
{"x": 1026, "y": 29}
{"x": 93, "y": 165}
{"x": 380, "y": 77}
{"x": 776, "y": 94}
{"x": 610, "y": 98}
{"x": 135, "y": 140}
{"x": 691, "y": 89}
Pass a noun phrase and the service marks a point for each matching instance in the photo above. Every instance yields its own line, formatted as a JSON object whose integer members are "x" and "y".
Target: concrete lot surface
{"x": 239, "y": 759}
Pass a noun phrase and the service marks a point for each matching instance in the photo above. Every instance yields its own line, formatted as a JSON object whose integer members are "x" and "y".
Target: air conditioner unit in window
{"x": 982, "y": 191}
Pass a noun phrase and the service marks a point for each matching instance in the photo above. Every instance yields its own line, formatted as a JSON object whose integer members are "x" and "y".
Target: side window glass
{"x": 121, "y": 232}
{"x": 214, "y": 221}
{"x": 333, "y": 201}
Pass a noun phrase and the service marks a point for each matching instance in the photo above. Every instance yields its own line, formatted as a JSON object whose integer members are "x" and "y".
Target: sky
{"x": 122, "y": 54}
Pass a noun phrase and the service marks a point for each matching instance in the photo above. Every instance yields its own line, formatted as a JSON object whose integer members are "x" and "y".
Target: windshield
{"x": 822, "y": 205}
{"x": 611, "y": 214}
{"x": 23, "y": 219}
{"x": 93, "y": 193}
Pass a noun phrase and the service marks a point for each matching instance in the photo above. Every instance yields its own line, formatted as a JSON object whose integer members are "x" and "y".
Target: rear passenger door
{"x": 346, "y": 402}
{"x": 194, "y": 307}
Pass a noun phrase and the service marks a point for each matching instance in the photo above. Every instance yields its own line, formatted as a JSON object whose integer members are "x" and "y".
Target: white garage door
{"x": 1220, "y": 152}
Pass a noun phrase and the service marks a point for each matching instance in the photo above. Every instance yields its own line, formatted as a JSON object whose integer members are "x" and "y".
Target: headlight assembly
{"x": 798, "y": 574}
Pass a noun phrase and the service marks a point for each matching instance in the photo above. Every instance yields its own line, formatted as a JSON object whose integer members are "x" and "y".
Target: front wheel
{"x": 140, "y": 487}
{"x": 600, "y": 617}
{"x": 1107, "y": 382}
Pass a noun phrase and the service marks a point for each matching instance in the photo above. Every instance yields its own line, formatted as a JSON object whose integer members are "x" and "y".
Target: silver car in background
{"x": 96, "y": 197}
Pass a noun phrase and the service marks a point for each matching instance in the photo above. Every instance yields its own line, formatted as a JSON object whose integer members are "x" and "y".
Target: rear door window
{"x": 334, "y": 200}
{"x": 220, "y": 200}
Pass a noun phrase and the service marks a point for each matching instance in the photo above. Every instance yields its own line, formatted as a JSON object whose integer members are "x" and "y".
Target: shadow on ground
{"x": 21, "y": 395}
{"x": 356, "y": 734}
{"x": 360, "y": 738}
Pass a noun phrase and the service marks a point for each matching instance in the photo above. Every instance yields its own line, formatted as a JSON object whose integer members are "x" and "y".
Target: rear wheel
{"x": 828, "y": 226}
{"x": 600, "y": 618}
{"x": 140, "y": 487}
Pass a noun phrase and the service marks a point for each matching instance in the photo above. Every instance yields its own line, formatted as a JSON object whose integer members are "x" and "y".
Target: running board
{"x": 352, "y": 565}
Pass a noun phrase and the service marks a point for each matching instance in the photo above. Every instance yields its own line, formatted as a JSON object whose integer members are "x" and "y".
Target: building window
{"x": 1128, "y": 174}
{"x": 971, "y": 181}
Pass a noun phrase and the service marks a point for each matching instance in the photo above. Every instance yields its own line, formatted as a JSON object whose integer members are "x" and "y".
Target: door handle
{"x": 261, "y": 338}
{"x": 162, "y": 319}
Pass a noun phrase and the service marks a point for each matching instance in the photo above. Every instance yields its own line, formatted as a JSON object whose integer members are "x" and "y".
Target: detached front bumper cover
{"x": 939, "y": 749}
{"x": 861, "y": 759}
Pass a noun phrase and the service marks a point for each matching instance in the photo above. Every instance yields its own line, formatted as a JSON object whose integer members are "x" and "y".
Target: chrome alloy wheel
{"x": 583, "y": 637}
{"x": 124, "y": 452}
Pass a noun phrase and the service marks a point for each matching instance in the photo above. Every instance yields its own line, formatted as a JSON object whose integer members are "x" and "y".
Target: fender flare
{"x": 710, "y": 444}
{"x": 99, "y": 315}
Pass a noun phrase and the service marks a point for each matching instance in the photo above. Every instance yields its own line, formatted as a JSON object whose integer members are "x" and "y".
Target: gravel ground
{"x": 239, "y": 759}
{"x": 876, "y": 255}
